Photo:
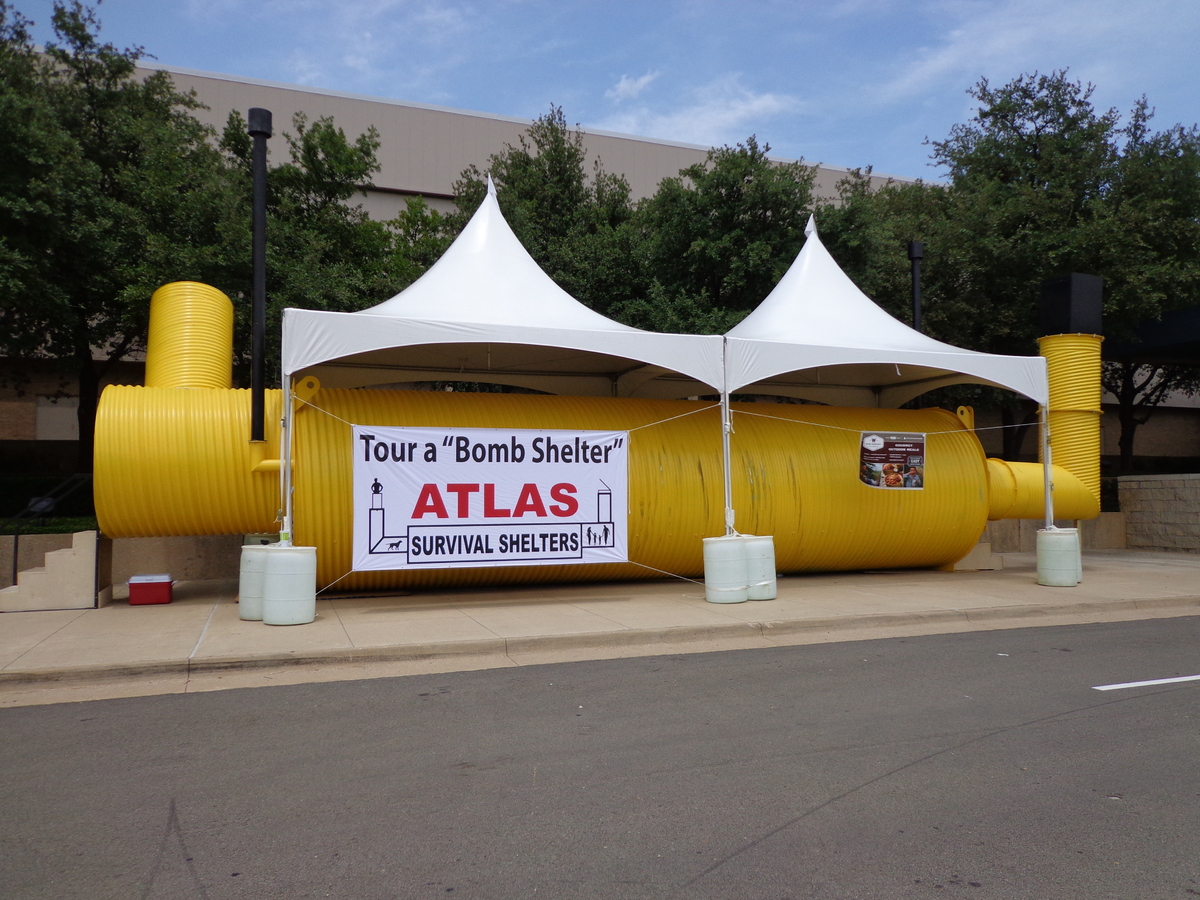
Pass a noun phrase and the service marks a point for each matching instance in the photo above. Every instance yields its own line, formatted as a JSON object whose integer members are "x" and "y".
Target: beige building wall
{"x": 1173, "y": 430}
{"x": 37, "y": 403}
{"x": 18, "y": 419}
{"x": 424, "y": 149}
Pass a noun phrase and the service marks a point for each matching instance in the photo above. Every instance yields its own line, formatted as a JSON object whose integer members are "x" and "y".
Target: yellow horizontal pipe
{"x": 260, "y": 462}
{"x": 1018, "y": 491}
{"x": 174, "y": 462}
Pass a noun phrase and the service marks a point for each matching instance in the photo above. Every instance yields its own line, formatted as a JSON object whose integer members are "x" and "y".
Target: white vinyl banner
{"x": 451, "y": 497}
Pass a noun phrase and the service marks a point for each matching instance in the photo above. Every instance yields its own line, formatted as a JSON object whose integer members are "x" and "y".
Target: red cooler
{"x": 147, "y": 589}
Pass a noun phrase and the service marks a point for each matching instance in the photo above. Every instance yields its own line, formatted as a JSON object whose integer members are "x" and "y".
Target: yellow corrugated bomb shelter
{"x": 173, "y": 457}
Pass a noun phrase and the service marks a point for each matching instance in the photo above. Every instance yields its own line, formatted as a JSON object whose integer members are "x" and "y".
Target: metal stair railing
{"x": 40, "y": 508}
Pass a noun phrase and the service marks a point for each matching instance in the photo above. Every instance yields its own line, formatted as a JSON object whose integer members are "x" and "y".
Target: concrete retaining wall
{"x": 31, "y": 552}
{"x": 1107, "y": 532}
{"x": 1162, "y": 512}
{"x": 183, "y": 558}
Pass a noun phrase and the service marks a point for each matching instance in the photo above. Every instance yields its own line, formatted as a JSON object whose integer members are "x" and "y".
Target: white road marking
{"x": 1133, "y": 684}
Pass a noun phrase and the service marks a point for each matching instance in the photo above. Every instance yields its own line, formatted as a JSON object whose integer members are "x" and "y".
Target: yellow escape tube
{"x": 1075, "y": 394}
{"x": 1018, "y": 489}
{"x": 174, "y": 458}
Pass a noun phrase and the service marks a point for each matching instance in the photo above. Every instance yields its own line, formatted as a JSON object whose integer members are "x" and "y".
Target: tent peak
{"x": 811, "y": 228}
{"x": 487, "y": 278}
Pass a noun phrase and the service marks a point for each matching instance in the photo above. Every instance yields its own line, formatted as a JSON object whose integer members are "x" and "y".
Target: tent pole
{"x": 726, "y": 428}
{"x": 726, "y": 455}
{"x": 1044, "y": 427}
{"x": 285, "y": 471}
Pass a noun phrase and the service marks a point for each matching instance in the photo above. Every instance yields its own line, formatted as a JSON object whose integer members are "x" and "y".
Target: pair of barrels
{"x": 739, "y": 567}
{"x": 277, "y": 584}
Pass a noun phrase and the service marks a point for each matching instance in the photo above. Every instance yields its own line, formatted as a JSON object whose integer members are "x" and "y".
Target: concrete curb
{"x": 687, "y": 636}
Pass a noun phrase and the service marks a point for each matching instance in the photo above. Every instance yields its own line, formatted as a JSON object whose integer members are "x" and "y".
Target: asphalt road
{"x": 979, "y": 765}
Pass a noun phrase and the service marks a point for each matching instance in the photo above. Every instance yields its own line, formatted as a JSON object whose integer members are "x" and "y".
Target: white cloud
{"x": 374, "y": 45}
{"x": 628, "y": 88}
{"x": 722, "y": 112}
{"x": 1013, "y": 36}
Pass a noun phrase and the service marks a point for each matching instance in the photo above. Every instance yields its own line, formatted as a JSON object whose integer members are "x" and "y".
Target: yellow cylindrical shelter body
{"x": 177, "y": 462}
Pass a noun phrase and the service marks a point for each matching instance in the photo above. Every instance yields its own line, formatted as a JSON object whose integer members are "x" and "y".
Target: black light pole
{"x": 260, "y": 130}
{"x": 916, "y": 252}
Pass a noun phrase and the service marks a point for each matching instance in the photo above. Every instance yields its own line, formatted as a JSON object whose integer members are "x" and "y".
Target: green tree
{"x": 1041, "y": 184}
{"x": 109, "y": 188}
{"x": 1148, "y": 247}
{"x": 575, "y": 224}
{"x": 716, "y": 239}
{"x": 420, "y": 235}
{"x": 1029, "y": 175}
{"x": 322, "y": 252}
{"x": 697, "y": 256}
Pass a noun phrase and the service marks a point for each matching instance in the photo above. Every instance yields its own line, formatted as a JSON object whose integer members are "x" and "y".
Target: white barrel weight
{"x": 725, "y": 576}
{"x": 1058, "y": 557}
{"x": 760, "y": 566}
{"x": 250, "y": 582}
{"x": 290, "y": 585}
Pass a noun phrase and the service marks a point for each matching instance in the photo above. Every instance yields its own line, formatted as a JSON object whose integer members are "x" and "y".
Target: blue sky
{"x": 844, "y": 82}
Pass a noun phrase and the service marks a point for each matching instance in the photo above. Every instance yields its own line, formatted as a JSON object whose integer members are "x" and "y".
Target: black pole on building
{"x": 916, "y": 252}
{"x": 260, "y": 130}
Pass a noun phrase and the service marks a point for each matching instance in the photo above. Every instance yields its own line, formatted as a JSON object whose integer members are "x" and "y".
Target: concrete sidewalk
{"x": 198, "y": 643}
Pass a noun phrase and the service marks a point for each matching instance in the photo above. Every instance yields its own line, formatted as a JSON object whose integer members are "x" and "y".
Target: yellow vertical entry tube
{"x": 1073, "y": 361}
{"x": 172, "y": 457}
{"x": 190, "y": 341}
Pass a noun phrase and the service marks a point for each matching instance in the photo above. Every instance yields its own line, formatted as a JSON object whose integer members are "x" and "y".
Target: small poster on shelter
{"x": 469, "y": 497}
{"x": 892, "y": 460}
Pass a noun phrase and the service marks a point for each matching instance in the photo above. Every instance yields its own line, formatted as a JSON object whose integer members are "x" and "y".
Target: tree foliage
{"x": 728, "y": 228}
{"x": 1041, "y": 184}
{"x": 112, "y": 188}
{"x": 574, "y": 219}
{"x": 696, "y": 256}
{"x": 322, "y": 253}
{"x": 715, "y": 239}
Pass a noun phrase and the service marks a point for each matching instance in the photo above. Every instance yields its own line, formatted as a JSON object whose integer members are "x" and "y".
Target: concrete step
{"x": 66, "y": 581}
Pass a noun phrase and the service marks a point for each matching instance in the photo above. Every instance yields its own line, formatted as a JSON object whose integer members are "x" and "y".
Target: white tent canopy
{"x": 485, "y": 311}
{"x": 818, "y": 337}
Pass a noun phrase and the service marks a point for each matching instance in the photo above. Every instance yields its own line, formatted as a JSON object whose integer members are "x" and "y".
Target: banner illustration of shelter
{"x": 458, "y": 497}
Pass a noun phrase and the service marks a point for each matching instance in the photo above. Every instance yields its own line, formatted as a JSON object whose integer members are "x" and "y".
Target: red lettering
{"x": 562, "y": 493}
{"x": 464, "y": 492}
{"x": 529, "y": 501}
{"x": 429, "y": 501}
{"x": 489, "y": 504}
